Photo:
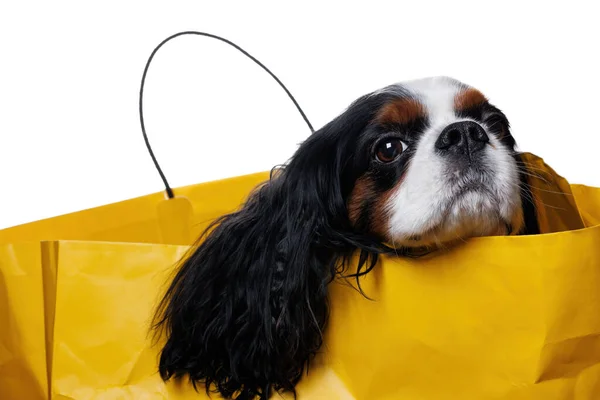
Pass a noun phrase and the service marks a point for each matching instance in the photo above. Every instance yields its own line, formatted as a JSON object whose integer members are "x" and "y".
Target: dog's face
{"x": 437, "y": 165}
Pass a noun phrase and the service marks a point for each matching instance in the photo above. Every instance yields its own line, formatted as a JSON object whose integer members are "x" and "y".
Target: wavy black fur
{"x": 246, "y": 312}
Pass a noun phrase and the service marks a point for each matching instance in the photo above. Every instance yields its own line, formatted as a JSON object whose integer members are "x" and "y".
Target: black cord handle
{"x": 141, "y": 109}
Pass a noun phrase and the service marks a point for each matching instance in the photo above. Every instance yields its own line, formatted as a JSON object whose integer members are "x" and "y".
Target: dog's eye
{"x": 389, "y": 150}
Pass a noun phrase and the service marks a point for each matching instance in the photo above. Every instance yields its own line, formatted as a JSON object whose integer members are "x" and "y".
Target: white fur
{"x": 426, "y": 204}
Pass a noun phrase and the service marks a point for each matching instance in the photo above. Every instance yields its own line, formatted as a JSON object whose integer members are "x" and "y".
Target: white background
{"x": 70, "y": 71}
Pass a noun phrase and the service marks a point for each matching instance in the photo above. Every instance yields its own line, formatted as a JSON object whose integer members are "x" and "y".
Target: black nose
{"x": 462, "y": 138}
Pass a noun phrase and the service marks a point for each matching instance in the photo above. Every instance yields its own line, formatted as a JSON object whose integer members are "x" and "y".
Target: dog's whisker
{"x": 532, "y": 174}
{"x": 534, "y": 201}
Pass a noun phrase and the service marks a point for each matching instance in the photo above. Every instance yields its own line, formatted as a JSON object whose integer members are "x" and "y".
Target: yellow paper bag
{"x": 24, "y": 280}
{"x": 496, "y": 318}
{"x": 23, "y": 358}
{"x": 146, "y": 219}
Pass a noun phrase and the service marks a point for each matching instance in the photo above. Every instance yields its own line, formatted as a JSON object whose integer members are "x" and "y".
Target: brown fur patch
{"x": 379, "y": 214}
{"x": 362, "y": 191}
{"x": 468, "y": 98}
{"x": 401, "y": 111}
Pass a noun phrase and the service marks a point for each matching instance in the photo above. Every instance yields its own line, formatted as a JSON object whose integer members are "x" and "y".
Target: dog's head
{"x": 414, "y": 165}
{"x": 434, "y": 162}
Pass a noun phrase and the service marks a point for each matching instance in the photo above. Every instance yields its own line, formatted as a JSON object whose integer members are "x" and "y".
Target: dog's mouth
{"x": 474, "y": 180}
{"x": 470, "y": 210}
{"x": 471, "y": 178}
{"x": 470, "y": 187}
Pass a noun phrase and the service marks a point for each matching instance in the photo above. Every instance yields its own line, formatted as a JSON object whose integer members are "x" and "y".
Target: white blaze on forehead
{"x": 422, "y": 200}
{"x": 437, "y": 95}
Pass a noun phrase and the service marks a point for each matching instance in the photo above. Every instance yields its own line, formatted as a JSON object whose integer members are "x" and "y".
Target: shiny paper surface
{"x": 502, "y": 318}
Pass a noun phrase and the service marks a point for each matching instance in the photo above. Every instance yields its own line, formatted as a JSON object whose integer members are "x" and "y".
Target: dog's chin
{"x": 471, "y": 212}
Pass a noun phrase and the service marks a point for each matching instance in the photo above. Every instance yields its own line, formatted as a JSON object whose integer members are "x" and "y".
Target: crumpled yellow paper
{"x": 501, "y": 318}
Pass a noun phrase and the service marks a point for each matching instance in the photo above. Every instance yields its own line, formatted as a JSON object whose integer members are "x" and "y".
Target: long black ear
{"x": 246, "y": 311}
{"x": 531, "y": 225}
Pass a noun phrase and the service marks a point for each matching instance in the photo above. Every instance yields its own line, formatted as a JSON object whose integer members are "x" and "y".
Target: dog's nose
{"x": 464, "y": 137}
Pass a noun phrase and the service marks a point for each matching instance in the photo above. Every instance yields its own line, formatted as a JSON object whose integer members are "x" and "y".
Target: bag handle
{"x": 168, "y": 189}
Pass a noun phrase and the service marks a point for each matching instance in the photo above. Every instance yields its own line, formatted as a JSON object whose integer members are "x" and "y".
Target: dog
{"x": 405, "y": 170}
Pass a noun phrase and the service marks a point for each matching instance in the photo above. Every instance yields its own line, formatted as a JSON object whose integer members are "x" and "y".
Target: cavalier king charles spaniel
{"x": 404, "y": 171}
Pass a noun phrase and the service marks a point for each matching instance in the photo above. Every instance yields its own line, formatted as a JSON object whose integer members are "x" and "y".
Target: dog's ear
{"x": 531, "y": 224}
{"x": 246, "y": 311}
